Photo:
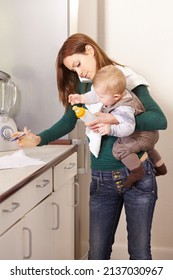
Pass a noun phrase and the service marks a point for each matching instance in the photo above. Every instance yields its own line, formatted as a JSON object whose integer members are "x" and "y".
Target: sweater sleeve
{"x": 153, "y": 118}
{"x": 90, "y": 97}
{"x": 65, "y": 125}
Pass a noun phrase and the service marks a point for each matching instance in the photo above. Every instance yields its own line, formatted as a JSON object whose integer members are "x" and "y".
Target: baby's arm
{"x": 88, "y": 98}
{"x": 126, "y": 118}
{"x": 75, "y": 98}
{"x": 124, "y": 126}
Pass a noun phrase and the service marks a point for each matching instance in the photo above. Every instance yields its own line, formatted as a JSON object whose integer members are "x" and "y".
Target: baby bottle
{"x": 84, "y": 114}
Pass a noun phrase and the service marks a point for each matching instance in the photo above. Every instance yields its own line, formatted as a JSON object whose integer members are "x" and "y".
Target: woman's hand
{"x": 28, "y": 140}
{"x": 104, "y": 129}
{"x": 101, "y": 120}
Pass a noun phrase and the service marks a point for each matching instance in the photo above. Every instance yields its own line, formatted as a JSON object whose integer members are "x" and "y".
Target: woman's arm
{"x": 59, "y": 129}
{"x": 65, "y": 125}
{"x": 153, "y": 118}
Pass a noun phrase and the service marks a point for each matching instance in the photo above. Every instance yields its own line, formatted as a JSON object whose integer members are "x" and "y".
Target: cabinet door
{"x": 37, "y": 233}
{"x": 63, "y": 221}
{"x": 11, "y": 243}
{"x": 48, "y": 230}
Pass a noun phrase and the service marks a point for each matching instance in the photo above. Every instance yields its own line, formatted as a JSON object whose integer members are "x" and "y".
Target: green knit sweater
{"x": 152, "y": 119}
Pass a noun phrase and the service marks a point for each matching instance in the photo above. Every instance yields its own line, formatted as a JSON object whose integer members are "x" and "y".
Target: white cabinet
{"x": 29, "y": 238}
{"x": 37, "y": 234}
{"x": 63, "y": 229}
{"x": 11, "y": 243}
{"x": 22, "y": 201}
{"x": 16, "y": 236}
{"x": 63, "y": 202}
{"x": 37, "y": 222}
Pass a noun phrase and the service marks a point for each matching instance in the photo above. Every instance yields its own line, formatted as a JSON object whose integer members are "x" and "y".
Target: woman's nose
{"x": 80, "y": 73}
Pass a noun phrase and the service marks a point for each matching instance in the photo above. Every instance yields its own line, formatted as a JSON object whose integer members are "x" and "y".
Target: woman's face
{"x": 83, "y": 64}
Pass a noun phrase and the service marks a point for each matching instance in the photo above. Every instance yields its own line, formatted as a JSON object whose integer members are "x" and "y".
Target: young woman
{"x": 80, "y": 56}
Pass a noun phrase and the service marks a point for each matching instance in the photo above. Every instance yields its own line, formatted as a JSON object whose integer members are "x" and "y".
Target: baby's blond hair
{"x": 110, "y": 77}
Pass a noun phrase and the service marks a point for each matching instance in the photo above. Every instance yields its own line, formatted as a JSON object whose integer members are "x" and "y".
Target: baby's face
{"x": 106, "y": 99}
{"x": 106, "y": 96}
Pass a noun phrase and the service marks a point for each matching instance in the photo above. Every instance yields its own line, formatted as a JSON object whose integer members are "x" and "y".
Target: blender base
{"x": 7, "y": 128}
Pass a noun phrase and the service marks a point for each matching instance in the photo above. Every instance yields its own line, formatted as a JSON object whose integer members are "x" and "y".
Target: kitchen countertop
{"x": 13, "y": 179}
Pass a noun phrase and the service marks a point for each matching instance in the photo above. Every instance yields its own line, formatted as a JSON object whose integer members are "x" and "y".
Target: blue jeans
{"x": 106, "y": 201}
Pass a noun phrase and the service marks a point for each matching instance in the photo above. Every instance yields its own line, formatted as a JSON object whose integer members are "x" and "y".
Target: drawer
{"x": 65, "y": 170}
{"x": 18, "y": 204}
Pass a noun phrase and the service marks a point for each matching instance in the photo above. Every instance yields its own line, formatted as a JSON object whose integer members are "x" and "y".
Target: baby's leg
{"x": 158, "y": 162}
{"x": 133, "y": 163}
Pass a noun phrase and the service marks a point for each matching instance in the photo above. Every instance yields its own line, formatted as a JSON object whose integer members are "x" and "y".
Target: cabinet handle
{"x": 57, "y": 216}
{"x": 30, "y": 243}
{"x": 14, "y": 206}
{"x": 71, "y": 165}
{"x": 76, "y": 202}
{"x": 43, "y": 184}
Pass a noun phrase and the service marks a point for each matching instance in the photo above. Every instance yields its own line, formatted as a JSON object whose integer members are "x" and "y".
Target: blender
{"x": 8, "y": 94}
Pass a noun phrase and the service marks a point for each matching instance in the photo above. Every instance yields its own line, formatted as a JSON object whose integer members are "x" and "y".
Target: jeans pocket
{"x": 148, "y": 183}
{"x": 145, "y": 186}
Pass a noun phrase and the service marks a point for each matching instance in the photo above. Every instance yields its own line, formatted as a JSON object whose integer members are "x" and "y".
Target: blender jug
{"x": 8, "y": 95}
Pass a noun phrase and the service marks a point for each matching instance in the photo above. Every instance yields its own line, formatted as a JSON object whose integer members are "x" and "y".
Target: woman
{"x": 80, "y": 56}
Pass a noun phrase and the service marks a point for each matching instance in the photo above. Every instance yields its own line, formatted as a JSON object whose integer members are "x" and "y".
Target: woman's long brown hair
{"x": 67, "y": 80}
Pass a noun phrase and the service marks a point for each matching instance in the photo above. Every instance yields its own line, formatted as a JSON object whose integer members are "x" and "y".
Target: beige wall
{"x": 140, "y": 34}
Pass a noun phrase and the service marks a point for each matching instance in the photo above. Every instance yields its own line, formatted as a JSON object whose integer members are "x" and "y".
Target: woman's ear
{"x": 89, "y": 49}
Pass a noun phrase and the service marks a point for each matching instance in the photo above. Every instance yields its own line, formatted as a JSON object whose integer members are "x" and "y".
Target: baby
{"x": 109, "y": 88}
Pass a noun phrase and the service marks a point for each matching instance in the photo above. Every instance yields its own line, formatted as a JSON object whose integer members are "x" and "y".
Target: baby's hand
{"x": 74, "y": 98}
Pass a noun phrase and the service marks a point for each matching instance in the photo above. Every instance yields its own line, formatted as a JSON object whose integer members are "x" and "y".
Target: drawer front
{"x": 18, "y": 204}
{"x": 65, "y": 170}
